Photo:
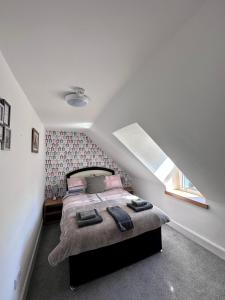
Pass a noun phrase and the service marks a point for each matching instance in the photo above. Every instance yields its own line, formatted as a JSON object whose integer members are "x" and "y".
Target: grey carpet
{"x": 184, "y": 270}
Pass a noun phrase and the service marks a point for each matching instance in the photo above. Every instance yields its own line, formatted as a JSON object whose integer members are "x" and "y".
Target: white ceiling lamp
{"x": 77, "y": 98}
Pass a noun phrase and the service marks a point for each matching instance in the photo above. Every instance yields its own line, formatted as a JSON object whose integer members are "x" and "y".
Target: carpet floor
{"x": 183, "y": 271}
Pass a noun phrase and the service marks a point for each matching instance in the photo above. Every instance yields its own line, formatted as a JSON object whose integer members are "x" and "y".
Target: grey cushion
{"x": 95, "y": 184}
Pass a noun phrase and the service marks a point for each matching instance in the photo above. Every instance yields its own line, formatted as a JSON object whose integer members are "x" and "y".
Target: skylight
{"x": 144, "y": 148}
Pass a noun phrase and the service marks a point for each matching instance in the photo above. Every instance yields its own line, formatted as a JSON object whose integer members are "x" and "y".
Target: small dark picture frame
{"x": 2, "y": 109}
{"x": 1, "y": 133}
{"x": 7, "y": 113}
{"x": 34, "y": 141}
{"x": 6, "y": 142}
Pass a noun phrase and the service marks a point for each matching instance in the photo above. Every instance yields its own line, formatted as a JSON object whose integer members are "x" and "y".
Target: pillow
{"x": 95, "y": 184}
{"x": 112, "y": 182}
{"x": 76, "y": 184}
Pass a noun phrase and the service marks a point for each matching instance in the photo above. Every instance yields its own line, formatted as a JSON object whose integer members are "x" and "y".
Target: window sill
{"x": 188, "y": 197}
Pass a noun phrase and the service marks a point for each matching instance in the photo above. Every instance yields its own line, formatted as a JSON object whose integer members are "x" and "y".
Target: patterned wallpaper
{"x": 68, "y": 151}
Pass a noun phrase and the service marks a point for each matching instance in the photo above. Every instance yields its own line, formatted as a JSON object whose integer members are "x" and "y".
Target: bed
{"x": 94, "y": 251}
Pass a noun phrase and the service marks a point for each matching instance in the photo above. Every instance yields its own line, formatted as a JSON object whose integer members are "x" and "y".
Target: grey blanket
{"x": 75, "y": 240}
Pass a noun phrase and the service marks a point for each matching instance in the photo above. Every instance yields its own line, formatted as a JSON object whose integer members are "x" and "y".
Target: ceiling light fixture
{"x": 77, "y": 98}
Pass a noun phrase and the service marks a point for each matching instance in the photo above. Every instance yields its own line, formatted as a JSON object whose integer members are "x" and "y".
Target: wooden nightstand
{"x": 129, "y": 189}
{"x": 52, "y": 211}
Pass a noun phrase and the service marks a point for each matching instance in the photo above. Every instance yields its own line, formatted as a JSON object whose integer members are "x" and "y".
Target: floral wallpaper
{"x": 67, "y": 151}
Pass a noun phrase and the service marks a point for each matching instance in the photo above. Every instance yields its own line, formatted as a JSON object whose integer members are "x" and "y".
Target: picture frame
{"x": 1, "y": 133}
{"x": 35, "y": 141}
{"x": 6, "y": 142}
{"x": 7, "y": 113}
{"x": 2, "y": 109}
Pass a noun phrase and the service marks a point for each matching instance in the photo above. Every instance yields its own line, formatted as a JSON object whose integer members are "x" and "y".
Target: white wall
{"x": 21, "y": 187}
{"x": 178, "y": 98}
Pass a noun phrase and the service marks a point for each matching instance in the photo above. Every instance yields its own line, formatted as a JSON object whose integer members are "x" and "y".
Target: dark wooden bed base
{"x": 96, "y": 263}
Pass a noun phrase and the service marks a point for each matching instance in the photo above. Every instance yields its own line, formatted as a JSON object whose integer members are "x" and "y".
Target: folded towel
{"x": 121, "y": 217}
{"x": 87, "y": 214}
{"x": 97, "y": 219}
{"x": 139, "y": 202}
{"x": 140, "y": 208}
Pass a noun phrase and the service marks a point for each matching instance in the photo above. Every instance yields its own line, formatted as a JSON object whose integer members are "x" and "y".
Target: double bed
{"x": 96, "y": 250}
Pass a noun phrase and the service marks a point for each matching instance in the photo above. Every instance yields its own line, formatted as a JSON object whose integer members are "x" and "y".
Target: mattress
{"x": 75, "y": 240}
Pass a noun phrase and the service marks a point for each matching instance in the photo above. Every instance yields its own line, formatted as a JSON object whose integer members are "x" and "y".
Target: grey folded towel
{"x": 139, "y": 202}
{"x": 121, "y": 217}
{"x": 95, "y": 220}
{"x": 87, "y": 214}
{"x": 140, "y": 208}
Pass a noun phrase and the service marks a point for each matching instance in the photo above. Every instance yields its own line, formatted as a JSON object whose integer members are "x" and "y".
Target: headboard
{"x": 89, "y": 171}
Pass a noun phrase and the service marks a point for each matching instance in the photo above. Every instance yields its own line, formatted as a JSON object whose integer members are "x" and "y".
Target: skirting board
{"x": 24, "y": 289}
{"x": 197, "y": 238}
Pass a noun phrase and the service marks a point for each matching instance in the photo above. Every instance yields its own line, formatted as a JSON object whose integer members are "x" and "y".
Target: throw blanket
{"x": 75, "y": 240}
{"x": 121, "y": 218}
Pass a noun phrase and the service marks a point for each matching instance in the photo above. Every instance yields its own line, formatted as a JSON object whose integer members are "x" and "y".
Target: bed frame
{"x": 92, "y": 264}
{"x": 89, "y": 171}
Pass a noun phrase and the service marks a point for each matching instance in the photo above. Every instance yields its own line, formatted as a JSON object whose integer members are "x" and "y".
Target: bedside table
{"x": 52, "y": 211}
{"x": 129, "y": 189}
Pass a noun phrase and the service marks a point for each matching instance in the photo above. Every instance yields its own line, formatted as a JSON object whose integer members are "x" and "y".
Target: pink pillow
{"x": 76, "y": 184}
{"x": 112, "y": 182}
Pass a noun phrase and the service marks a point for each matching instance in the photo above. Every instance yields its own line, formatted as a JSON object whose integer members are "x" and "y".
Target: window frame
{"x": 188, "y": 190}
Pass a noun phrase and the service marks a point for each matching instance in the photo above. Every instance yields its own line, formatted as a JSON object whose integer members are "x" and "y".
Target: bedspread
{"x": 75, "y": 240}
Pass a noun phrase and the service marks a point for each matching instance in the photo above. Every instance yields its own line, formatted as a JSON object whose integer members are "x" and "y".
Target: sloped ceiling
{"x": 158, "y": 63}
{"x": 53, "y": 45}
{"x": 178, "y": 98}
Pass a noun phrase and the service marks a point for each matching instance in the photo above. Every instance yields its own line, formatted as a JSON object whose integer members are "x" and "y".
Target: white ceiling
{"x": 54, "y": 45}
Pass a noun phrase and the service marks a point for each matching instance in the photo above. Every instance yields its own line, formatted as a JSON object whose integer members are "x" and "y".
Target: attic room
{"x": 112, "y": 117}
